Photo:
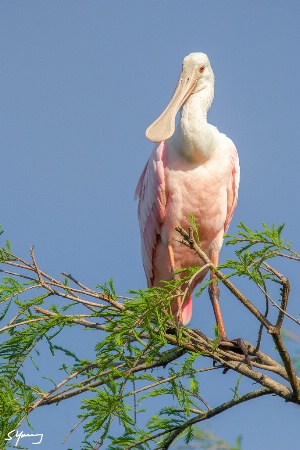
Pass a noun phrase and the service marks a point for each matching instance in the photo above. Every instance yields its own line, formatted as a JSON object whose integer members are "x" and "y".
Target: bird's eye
{"x": 201, "y": 69}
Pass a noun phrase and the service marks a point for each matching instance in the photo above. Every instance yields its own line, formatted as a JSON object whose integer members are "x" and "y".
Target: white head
{"x": 197, "y": 66}
{"x": 196, "y": 75}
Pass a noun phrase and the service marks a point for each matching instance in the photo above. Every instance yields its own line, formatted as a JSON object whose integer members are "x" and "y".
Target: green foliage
{"x": 235, "y": 390}
{"x": 132, "y": 337}
{"x": 255, "y": 248}
{"x": 108, "y": 289}
{"x": 15, "y": 400}
{"x": 195, "y": 229}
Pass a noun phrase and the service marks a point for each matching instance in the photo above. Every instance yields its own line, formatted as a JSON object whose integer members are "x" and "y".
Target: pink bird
{"x": 193, "y": 170}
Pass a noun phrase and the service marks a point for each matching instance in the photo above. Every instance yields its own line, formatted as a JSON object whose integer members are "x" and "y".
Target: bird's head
{"x": 196, "y": 75}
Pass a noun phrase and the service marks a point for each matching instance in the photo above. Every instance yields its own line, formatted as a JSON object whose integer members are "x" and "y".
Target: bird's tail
{"x": 182, "y": 313}
{"x": 187, "y": 310}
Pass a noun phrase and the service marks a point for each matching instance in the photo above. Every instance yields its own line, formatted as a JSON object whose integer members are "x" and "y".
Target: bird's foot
{"x": 175, "y": 331}
{"x": 239, "y": 347}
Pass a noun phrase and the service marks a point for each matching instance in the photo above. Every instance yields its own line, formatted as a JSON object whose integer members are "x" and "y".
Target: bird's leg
{"x": 214, "y": 294}
{"x": 178, "y": 293}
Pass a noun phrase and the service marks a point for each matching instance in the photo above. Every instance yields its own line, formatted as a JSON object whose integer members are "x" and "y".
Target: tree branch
{"x": 211, "y": 413}
{"x": 189, "y": 240}
{"x": 177, "y": 431}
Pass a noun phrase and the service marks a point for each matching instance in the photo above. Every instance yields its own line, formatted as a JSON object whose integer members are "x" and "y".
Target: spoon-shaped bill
{"x": 164, "y": 127}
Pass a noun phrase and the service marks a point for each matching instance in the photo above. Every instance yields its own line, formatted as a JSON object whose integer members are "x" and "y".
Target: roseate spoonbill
{"x": 193, "y": 170}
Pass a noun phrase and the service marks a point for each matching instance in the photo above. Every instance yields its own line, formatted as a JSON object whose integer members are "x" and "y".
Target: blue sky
{"x": 80, "y": 83}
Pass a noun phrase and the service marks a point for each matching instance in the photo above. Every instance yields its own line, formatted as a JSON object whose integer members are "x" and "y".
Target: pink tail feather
{"x": 186, "y": 311}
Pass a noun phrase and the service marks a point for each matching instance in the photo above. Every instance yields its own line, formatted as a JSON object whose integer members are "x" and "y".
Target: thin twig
{"x": 261, "y": 327}
{"x": 25, "y": 322}
{"x": 176, "y": 431}
{"x": 173, "y": 377}
{"x": 162, "y": 361}
{"x": 193, "y": 281}
{"x": 284, "y": 294}
{"x": 187, "y": 240}
{"x": 73, "y": 429}
{"x": 282, "y": 311}
{"x": 72, "y": 318}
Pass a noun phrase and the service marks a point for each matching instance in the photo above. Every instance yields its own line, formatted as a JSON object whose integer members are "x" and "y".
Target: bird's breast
{"x": 201, "y": 191}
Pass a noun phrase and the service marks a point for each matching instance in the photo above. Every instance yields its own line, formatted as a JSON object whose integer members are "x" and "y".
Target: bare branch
{"x": 176, "y": 431}
{"x": 261, "y": 327}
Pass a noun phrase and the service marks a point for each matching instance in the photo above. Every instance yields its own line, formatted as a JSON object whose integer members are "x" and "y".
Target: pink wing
{"x": 233, "y": 185}
{"x": 151, "y": 190}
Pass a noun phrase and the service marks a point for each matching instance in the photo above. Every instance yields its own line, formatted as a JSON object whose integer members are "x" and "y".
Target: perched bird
{"x": 193, "y": 170}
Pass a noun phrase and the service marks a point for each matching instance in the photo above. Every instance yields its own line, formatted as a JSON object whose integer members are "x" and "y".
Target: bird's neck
{"x": 194, "y": 138}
